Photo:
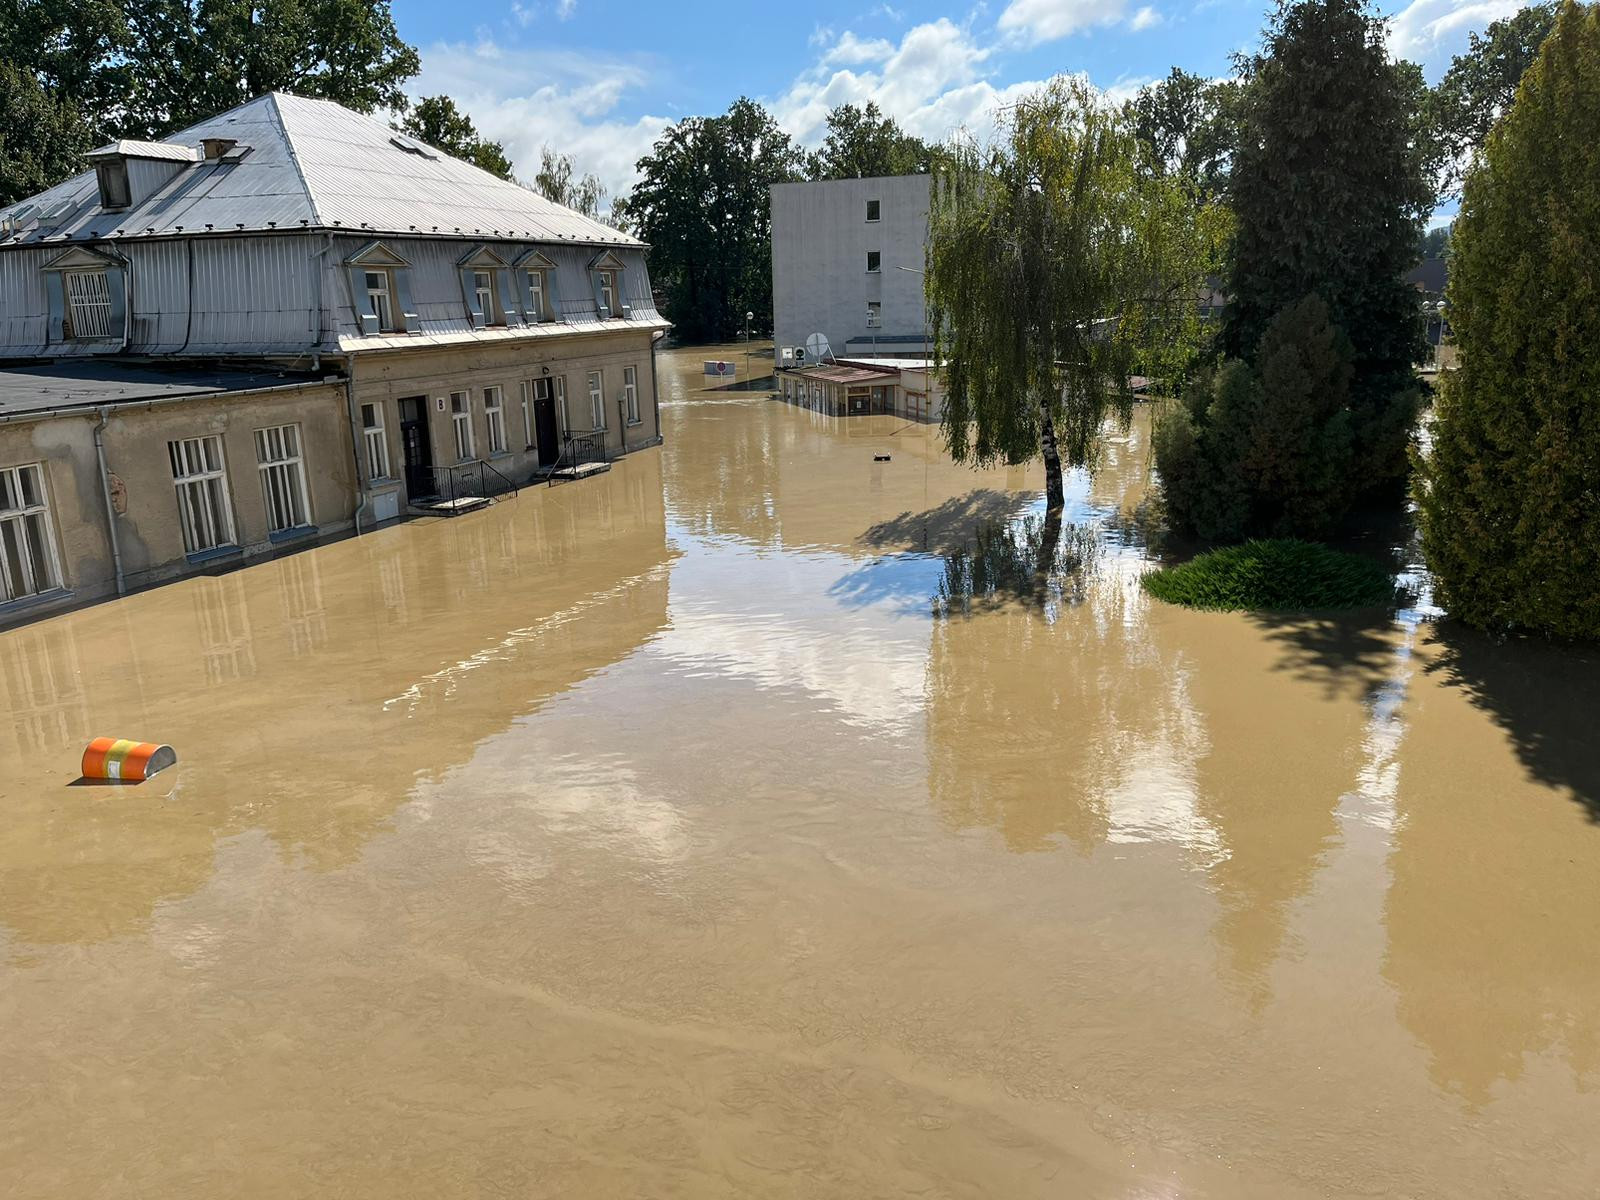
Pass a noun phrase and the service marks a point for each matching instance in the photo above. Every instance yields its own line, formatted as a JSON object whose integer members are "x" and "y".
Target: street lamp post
{"x": 748, "y": 317}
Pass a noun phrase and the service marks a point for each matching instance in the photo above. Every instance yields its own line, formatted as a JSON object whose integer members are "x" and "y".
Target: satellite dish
{"x": 817, "y": 347}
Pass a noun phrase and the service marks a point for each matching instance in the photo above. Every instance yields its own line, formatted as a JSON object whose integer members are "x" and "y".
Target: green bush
{"x": 1509, "y": 490}
{"x": 1265, "y": 450}
{"x": 1278, "y": 575}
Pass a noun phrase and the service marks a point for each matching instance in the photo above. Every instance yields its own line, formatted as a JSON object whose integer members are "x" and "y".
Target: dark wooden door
{"x": 545, "y": 430}
{"x": 417, "y": 447}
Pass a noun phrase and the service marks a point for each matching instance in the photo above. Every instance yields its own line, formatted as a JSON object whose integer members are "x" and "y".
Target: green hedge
{"x": 1276, "y": 575}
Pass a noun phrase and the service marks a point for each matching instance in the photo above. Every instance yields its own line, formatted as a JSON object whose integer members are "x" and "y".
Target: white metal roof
{"x": 130, "y": 149}
{"x": 315, "y": 165}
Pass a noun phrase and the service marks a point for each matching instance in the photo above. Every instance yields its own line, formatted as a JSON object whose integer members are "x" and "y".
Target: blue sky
{"x": 598, "y": 79}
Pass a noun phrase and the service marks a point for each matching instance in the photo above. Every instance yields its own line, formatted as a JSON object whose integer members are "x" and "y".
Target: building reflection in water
{"x": 271, "y": 682}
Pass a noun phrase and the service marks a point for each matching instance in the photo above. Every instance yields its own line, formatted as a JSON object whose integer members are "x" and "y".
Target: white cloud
{"x": 850, "y": 50}
{"x": 1036, "y": 21}
{"x": 1145, "y": 18}
{"x": 934, "y": 81}
{"x": 1431, "y": 31}
{"x": 526, "y": 99}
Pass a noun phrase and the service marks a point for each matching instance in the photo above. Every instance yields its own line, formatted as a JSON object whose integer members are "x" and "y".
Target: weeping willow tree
{"x": 1061, "y": 261}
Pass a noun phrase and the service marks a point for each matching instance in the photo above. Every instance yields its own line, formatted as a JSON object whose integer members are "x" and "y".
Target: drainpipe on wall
{"x": 355, "y": 435}
{"x": 655, "y": 384}
{"x": 105, "y": 493}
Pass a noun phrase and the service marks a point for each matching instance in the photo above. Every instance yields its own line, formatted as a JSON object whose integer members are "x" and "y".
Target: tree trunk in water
{"x": 1055, "y": 496}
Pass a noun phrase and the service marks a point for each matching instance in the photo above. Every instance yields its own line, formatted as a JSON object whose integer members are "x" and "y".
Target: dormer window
{"x": 536, "y": 295}
{"x": 380, "y": 302}
{"x": 87, "y": 295}
{"x": 487, "y": 289}
{"x": 88, "y": 304}
{"x": 380, "y": 291}
{"x": 536, "y": 279}
{"x": 483, "y": 291}
{"x": 112, "y": 176}
{"x": 606, "y": 275}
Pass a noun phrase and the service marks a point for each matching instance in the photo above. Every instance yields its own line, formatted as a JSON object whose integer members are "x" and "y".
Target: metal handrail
{"x": 453, "y": 490}
{"x": 578, "y": 448}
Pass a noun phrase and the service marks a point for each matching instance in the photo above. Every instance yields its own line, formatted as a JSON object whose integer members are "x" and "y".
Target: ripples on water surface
{"x": 759, "y": 820}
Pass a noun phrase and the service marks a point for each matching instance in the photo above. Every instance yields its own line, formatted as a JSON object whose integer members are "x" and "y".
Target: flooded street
{"x": 722, "y": 826}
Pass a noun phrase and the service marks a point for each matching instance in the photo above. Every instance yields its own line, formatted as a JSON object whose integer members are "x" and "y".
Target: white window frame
{"x": 608, "y": 294}
{"x": 538, "y": 309}
{"x": 200, "y": 477}
{"x": 630, "y": 393}
{"x": 871, "y": 268}
{"x": 461, "y": 424}
{"x": 16, "y": 519}
{"x": 527, "y": 413}
{"x": 483, "y": 289}
{"x": 88, "y": 301}
{"x": 871, "y": 219}
{"x": 280, "y": 460}
{"x": 597, "y": 397}
{"x": 494, "y": 416}
{"x": 380, "y": 299}
{"x": 874, "y": 314}
{"x": 376, "y": 439}
{"x": 562, "y": 423}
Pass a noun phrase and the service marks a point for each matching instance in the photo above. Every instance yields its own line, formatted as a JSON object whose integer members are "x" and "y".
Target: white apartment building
{"x": 847, "y": 262}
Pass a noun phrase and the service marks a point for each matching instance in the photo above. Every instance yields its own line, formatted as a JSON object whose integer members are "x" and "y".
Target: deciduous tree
{"x": 1187, "y": 124}
{"x": 554, "y": 182}
{"x": 1509, "y": 491}
{"x": 702, "y": 203}
{"x": 863, "y": 143}
{"x": 42, "y": 137}
{"x": 1478, "y": 88}
{"x": 437, "y": 121}
{"x": 1055, "y": 264}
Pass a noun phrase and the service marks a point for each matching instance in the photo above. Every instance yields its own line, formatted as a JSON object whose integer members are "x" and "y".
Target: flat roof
{"x": 892, "y": 364}
{"x": 844, "y": 373}
{"x": 52, "y": 387}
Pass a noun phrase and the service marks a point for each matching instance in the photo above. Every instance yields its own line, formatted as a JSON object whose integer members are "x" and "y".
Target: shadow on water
{"x": 949, "y": 526}
{"x": 1346, "y": 654}
{"x": 1545, "y": 697}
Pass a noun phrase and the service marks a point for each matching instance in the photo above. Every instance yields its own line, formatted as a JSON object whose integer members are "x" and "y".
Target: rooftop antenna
{"x": 817, "y": 346}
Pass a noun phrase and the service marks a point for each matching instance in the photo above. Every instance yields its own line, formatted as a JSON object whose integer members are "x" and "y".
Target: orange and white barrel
{"x": 125, "y": 760}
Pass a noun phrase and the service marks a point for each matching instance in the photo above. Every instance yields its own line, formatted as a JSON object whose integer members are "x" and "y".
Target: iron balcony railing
{"x": 475, "y": 478}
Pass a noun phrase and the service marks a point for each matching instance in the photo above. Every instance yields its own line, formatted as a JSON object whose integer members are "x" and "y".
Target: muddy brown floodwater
{"x": 725, "y": 826}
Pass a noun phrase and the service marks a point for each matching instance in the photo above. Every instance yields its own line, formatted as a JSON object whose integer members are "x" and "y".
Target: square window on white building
{"x": 874, "y": 314}
{"x": 283, "y": 478}
{"x": 874, "y": 259}
{"x": 495, "y": 417}
{"x": 461, "y": 423}
{"x": 201, "y": 478}
{"x": 873, "y": 210}
{"x": 597, "y": 398}
{"x": 27, "y": 547}
{"x": 630, "y": 393}
{"x": 375, "y": 440}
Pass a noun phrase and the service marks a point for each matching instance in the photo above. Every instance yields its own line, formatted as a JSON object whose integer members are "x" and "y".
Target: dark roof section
{"x": 66, "y": 386}
{"x": 1430, "y": 275}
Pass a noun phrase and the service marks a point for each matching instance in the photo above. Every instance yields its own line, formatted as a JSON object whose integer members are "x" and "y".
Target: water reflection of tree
{"x": 1493, "y": 913}
{"x": 1037, "y": 717}
{"x": 1284, "y": 749}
